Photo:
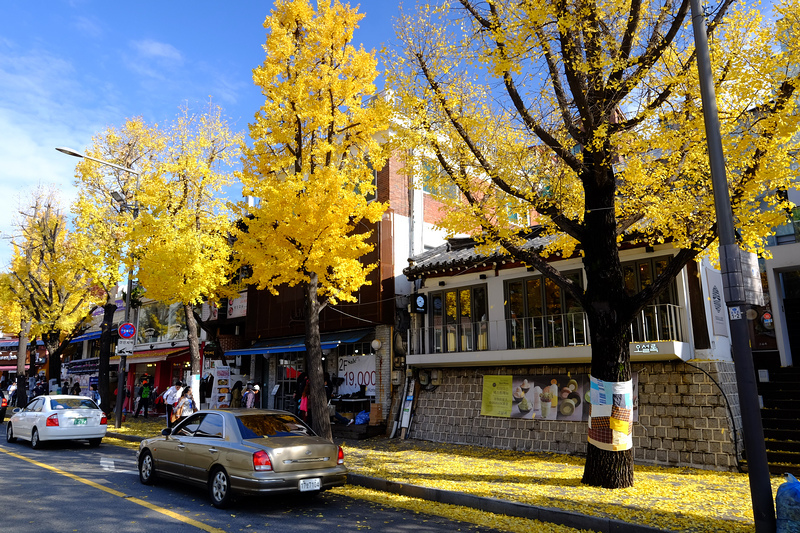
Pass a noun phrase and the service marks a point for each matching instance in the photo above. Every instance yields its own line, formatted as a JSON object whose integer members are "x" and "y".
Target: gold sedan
{"x": 248, "y": 451}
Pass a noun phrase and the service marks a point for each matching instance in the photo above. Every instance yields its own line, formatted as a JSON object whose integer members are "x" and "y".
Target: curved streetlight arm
{"x": 70, "y": 151}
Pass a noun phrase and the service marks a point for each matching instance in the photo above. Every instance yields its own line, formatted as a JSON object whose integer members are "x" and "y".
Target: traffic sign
{"x": 125, "y": 347}
{"x": 127, "y": 330}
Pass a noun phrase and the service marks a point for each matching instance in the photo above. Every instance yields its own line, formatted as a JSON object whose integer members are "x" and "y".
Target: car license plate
{"x": 80, "y": 422}
{"x": 313, "y": 483}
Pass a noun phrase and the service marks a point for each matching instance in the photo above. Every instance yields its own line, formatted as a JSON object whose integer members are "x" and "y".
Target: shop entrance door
{"x": 290, "y": 366}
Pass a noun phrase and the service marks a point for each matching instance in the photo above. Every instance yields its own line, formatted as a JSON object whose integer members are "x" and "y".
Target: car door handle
{"x": 213, "y": 450}
{"x": 181, "y": 446}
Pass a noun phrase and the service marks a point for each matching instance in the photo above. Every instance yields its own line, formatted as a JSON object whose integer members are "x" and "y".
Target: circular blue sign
{"x": 127, "y": 330}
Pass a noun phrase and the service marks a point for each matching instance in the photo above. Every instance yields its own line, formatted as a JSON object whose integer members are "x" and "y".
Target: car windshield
{"x": 257, "y": 426}
{"x": 73, "y": 403}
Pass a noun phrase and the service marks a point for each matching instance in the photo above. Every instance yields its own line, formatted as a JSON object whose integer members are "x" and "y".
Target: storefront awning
{"x": 87, "y": 336}
{"x": 297, "y": 344}
{"x": 14, "y": 344}
{"x": 86, "y": 366}
{"x": 12, "y": 368}
{"x": 152, "y": 356}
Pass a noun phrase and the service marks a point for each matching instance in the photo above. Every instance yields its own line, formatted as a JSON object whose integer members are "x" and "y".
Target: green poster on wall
{"x": 496, "y": 400}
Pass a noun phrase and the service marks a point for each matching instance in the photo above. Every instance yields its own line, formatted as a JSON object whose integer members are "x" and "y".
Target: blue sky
{"x": 71, "y": 68}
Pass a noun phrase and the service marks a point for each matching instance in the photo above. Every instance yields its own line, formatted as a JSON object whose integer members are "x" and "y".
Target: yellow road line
{"x": 143, "y": 503}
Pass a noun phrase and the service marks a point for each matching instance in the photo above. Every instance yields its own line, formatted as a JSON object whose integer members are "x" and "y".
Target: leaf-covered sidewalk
{"x": 678, "y": 499}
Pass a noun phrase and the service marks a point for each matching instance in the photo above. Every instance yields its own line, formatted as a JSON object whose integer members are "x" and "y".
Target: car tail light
{"x": 340, "y": 460}
{"x": 103, "y": 420}
{"x": 261, "y": 462}
{"x": 4, "y": 403}
{"x": 52, "y": 420}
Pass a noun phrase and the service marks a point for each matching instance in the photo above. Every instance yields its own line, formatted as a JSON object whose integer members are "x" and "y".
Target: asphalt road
{"x": 71, "y": 487}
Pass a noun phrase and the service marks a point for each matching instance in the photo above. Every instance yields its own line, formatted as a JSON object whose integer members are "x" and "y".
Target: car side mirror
{"x": 166, "y": 432}
{"x": 16, "y": 410}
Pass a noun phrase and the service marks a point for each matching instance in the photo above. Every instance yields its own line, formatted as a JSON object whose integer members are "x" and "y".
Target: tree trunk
{"x": 317, "y": 399}
{"x": 194, "y": 350}
{"x": 51, "y": 343}
{"x": 608, "y": 312}
{"x": 22, "y": 352}
{"x": 106, "y": 332}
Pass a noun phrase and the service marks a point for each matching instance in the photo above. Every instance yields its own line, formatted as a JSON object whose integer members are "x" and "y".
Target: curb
{"x": 122, "y": 436}
{"x": 505, "y": 507}
{"x": 489, "y": 505}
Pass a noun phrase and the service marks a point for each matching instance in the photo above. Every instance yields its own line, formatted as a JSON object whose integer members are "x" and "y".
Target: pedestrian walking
{"x": 186, "y": 405}
{"x": 236, "y": 394}
{"x": 144, "y": 399}
{"x": 249, "y": 397}
{"x": 171, "y": 397}
{"x": 94, "y": 394}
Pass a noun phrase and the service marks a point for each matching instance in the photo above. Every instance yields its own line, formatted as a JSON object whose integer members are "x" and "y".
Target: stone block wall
{"x": 684, "y": 417}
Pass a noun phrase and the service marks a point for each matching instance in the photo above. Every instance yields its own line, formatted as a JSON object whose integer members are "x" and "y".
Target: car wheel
{"x": 36, "y": 444}
{"x": 147, "y": 468}
{"x": 219, "y": 488}
{"x": 10, "y": 434}
{"x": 94, "y": 443}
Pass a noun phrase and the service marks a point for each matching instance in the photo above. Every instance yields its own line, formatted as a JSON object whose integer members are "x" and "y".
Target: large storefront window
{"x": 539, "y": 314}
{"x": 159, "y": 322}
{"x": 656, "y": 321}
{"x": 458, "y": 320}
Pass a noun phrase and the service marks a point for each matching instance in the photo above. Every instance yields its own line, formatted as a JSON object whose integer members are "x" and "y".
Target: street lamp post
{"x": 733, "y": 285}
{"x": 121, "y": 200}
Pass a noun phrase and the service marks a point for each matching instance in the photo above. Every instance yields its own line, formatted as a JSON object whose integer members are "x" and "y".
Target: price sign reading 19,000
{"x": 357, "y": 371}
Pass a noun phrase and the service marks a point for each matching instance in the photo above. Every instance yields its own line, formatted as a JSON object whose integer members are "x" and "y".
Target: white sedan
{"x": 57, "y": 417}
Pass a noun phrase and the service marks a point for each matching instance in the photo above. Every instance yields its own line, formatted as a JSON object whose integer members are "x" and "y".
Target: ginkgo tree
{"x": 53, "y": 291}
{"x": 181, "y": 240}
{"x": 587, "y": 117}
{"x": 13, "y": 318}
{"x": 315, "y": 143}
{"x": 171, "y": 228}
{"x": 103, "y": 226}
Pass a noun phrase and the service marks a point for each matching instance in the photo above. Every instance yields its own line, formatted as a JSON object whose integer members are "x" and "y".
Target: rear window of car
{"x": 262, "y": 425}
{"x": 73, "y": 403}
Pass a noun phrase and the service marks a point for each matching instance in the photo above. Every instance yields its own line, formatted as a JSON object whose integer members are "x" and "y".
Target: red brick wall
{"x": 393, "y": 186}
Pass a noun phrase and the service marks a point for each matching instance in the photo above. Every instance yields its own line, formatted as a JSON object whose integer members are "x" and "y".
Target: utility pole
{"x": 735, "y": 295}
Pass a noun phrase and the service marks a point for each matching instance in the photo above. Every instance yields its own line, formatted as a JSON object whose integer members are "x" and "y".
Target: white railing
{"x": 663, "y": 322}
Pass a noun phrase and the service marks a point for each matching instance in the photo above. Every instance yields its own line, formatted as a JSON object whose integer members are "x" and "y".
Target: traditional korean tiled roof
{"x": 462, "y": 252}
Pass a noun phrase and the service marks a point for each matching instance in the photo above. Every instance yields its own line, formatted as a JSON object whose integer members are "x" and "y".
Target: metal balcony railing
{"x": 663, "y": 322}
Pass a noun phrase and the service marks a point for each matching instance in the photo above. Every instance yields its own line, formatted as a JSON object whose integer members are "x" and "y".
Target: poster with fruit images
{"x": 553, "y": 397}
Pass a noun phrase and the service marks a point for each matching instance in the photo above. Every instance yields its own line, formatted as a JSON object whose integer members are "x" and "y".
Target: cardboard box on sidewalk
{"x": 375, "y": 414}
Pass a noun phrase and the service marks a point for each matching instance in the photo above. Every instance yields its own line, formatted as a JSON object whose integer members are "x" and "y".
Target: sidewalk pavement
{"x": 547, "y": 487}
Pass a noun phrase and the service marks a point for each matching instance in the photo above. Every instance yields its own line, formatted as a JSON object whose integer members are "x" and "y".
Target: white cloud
{"x": 89, "y": 26}
{"x": 44, "y": 105}
{"x": 155, "y": 49}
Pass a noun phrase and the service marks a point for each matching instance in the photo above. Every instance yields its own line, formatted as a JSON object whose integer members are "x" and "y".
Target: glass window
{"x": 73, "y": 403}
{"x": 35, "y": 405}
{"x": 211, "y": 426}
{"x": 458, "y": 320}
{"x": 189, "y": 426}
{"x": 436, "y": 183}
{"x": 543, "y": 314}
{"x": 158, "y": 322}
{"x": 257, "y": 426}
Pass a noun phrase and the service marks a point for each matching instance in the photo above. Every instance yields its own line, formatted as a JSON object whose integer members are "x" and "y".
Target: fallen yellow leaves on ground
{"x": 677, "y": 499}
{"x": 454, "y": 512}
